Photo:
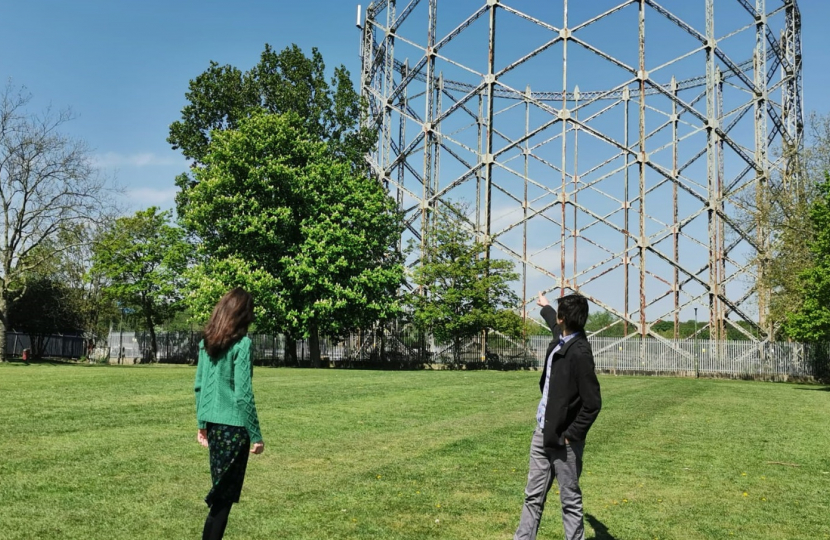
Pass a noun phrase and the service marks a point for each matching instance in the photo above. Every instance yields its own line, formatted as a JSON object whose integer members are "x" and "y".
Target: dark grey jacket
{"x": 574, "y": 399}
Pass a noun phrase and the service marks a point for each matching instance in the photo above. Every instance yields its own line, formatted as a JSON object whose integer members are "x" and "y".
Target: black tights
{"x": 217, "y": 520}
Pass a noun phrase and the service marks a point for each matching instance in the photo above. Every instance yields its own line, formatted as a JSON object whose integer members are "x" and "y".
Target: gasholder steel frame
{"x": 682, "y": 170}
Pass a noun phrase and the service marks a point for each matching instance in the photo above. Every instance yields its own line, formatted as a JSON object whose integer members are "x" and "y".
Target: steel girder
{"x": 634, "y": 193}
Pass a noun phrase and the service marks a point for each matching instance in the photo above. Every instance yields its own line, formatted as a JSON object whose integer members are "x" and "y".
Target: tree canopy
{"x": 312, "y": 238}
{"x": 791, "y": 212}
{"x": 281, "y": 82}
{"x": 145, "y": 258}
{"x": 459, "y": 293}
{"x": 810, "y": 320}
{"x": 279, "y": 197}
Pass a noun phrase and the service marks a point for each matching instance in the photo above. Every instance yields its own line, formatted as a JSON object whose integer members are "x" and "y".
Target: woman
{"x": 225, "y": 408}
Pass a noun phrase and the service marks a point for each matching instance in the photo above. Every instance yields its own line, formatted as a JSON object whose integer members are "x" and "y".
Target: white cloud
{"x": 144, "y": 197}
{"x": 140, "y": 159}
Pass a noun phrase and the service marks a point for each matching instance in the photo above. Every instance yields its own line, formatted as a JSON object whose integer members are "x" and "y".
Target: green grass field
{"x": 91, "y": 452}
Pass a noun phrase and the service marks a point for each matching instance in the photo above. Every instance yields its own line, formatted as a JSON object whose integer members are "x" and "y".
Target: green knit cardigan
{"x": 224, "y": 392}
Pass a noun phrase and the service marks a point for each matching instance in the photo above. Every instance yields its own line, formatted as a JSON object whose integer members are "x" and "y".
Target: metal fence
{"x": 401, "y": 349}
{"x": 57, "y": 346}
{"x": 710, "y": 358}
{"x": 135, "y": 347}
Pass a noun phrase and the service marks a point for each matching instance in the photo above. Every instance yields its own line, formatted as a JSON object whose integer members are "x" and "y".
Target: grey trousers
{"x": 565, "y": 464}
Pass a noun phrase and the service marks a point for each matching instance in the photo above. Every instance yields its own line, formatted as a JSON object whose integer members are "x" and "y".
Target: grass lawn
{"x": 91, "y": 452}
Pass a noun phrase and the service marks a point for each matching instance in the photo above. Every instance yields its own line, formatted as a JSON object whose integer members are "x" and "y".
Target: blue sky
{"x": 123, "y": 67}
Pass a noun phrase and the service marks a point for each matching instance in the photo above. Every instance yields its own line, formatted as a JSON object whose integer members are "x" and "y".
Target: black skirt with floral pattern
{"x": 229, "y": 448}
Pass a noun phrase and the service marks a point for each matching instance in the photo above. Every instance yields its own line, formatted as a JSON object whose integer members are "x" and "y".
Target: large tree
{"x": 311, "y": 237}
{"x": 144, "y": 258}
{"x": 810, "y": 320}
{"x": 281, "y": 82}
{"x": 328, "y": 113}
{"x": 460, "y": 293}
{"x": 783, "y": 211}
{"x": 47, "y": 186}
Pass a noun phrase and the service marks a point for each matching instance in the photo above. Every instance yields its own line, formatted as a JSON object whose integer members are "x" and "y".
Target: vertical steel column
{"x": 711, "y": 148}
{"x": 675, "y": 119}
{"x": 367, "y": 39}
{"x": 761, "y": 158}
{"x": 793, "y": 112}
{"x": 643, "y": 241}
{"x": 626, "y": 98}
{"x": 716, "y": 332}
{"x": 490, "y": 80}
{"x": 525, "y": 207}
{"x": 436, "y": 156}
{"x": 388, "y": 88}
{"x": 403, "y": 103}
{"x": 575, "y": 230}
{"x": 479, "y": 124}
{"x": 429, "y": 134}
{"x": 563, "y": 117}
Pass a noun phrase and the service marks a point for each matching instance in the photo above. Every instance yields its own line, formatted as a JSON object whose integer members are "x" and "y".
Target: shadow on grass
{"x": 814, "y": 388}
{"x": 601, "y": 532}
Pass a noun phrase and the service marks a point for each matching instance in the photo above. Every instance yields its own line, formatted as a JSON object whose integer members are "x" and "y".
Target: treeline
{"x": 794, "y": 265}
{"x": 278, "y": 199}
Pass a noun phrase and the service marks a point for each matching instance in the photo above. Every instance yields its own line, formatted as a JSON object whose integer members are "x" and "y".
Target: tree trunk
{"x": 314, "y": 346}
{"x": 3, "y": 339}
{"x": 38, "y": 345}
{"x": 291, "y": 352}
{"x": 484, "y": 345}
{"x": 4, "y": 326}
{"x": 153, "y": 344}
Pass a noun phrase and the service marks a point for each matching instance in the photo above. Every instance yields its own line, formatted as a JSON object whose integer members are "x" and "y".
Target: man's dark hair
{"x": 573, "y": 311}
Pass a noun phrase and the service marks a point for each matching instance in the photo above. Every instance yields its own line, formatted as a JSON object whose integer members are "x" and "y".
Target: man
{"x": 570, "y": 403}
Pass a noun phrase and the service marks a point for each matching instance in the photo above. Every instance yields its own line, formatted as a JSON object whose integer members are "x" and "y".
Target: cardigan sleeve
{"x": 197, "y": 388}
{"x": 243, "y": 371}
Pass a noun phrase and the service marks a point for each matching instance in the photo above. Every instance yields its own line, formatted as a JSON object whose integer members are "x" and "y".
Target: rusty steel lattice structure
{"x": 618, "y": 149}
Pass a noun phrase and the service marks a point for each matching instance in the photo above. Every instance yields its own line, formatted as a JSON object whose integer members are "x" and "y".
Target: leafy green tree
{"x": 784, "y": 209}
{"x": 286, "y": 82}
{"x": 810, "y": 321}
{"x": 309, "y": 236}
{"x": 144, "y": 257}
{"x": 461, "y": 294}
{"x": 604, "y": 324}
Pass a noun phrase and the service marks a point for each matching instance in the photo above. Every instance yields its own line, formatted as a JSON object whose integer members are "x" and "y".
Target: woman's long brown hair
{"x": 229, "y": 321}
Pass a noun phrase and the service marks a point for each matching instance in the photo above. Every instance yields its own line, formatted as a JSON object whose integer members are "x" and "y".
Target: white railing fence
{"x": 632, "y": 355}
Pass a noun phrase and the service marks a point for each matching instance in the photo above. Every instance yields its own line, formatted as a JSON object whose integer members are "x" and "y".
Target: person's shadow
{"x": 601, "y": 532}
